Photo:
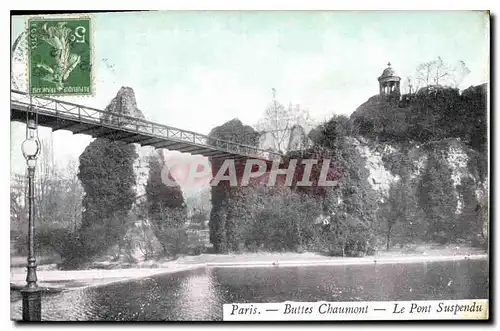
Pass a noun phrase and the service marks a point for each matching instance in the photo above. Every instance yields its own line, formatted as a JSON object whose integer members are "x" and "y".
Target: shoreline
{"x": 54, "y": 281}
{"x": 352, "y": 261}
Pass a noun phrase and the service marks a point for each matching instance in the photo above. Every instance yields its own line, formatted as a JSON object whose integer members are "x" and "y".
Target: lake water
{"x": 199, "y": 294}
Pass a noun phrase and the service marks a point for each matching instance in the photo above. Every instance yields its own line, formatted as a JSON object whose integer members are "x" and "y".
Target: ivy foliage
{"x": 167, "y": 211}
{"x": 107, "y": 175}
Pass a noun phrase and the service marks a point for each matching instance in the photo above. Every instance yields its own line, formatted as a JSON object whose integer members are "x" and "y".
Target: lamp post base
{"x": 32, "y": 304}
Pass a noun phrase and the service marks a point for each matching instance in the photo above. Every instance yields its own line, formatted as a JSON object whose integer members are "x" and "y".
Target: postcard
{"x": 250, "y": 166}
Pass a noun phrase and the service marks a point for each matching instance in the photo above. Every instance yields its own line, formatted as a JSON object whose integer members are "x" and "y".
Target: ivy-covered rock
{"x": 107, "y": 176}
{"x": 167, "y": 211}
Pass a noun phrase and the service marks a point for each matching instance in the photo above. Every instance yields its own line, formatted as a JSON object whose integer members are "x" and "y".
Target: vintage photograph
{"x": 250, "y": 166}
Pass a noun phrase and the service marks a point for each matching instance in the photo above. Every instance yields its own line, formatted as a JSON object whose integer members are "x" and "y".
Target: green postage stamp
{"x": 60, "y": 56}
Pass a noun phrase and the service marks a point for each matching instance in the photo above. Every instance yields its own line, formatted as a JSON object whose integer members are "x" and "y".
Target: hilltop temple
{"x": 389, "y": 81}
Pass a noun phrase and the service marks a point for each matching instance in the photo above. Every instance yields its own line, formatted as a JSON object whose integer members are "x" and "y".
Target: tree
{"x": 352, "y": 204}
{"x": 230, "y": 205}
{"x": 460, "y": 71}
{"x": 470, "y": 222}
{"x": 332, "y": 133}
{"x": 408, "y": 85}
{"x": 424, "y": 73}
{"x": 46, "y": 183}
{"x": 438, "y": 72}
{"x": 284, "y": 222}
{"x": 73, "y": 195}
{"x": 400, "y": 209}
{"x": 278, "y": 121}
{"x": 475, "y": 120}
{"x": 391, "y": 214}
{"x": 106, "y": 172}
{"x": 145, "y": 242}
{"x": 58, "y": 200}
{"x": 218, "y": 236}
{"x": 199, "y": 207}
{"x": 441, "y": 71}
{"x": 436, "y": 201}
{"x": 17, "y": 201}
{"x": 166, "y": 207}
{"x": 484, "y": 215}
{"x": 160, "y": 195}
{"x": 409, "y": 81}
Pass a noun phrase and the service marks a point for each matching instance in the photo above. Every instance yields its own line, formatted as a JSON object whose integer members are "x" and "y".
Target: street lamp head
{"x": 31, "y": 124}
{"x": 31, "y": 148}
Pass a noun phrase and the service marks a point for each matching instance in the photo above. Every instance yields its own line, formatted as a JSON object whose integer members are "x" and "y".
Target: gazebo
{"x": 389, "y": 81}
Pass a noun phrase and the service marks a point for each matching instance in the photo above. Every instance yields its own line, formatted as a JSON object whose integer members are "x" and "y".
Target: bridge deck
{"x": 61, "y": 115}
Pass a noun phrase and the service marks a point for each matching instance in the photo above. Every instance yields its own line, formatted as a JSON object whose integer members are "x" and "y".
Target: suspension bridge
{"x": 79, "y": 119}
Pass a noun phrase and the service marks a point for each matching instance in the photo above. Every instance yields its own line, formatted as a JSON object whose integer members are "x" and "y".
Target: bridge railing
{"x": 74, "y": 111}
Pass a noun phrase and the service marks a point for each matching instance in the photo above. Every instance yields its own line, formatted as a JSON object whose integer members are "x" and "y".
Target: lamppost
{"x": 31, "y": 293}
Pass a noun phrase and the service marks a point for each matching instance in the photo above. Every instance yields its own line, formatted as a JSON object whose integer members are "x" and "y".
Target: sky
{"x": 198, "y": 69}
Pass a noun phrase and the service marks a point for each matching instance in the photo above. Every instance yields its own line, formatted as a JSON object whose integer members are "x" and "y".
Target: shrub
{"x": 60, "y": 240}
{"x": 48, "y": 241}
{"x": 175, "y": 242}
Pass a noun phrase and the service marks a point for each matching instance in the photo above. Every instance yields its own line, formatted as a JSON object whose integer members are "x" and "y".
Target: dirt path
{"x": 65, "y": 280}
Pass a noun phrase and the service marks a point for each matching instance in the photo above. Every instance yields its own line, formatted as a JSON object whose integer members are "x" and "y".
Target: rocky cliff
{"x": 383, "y": 161}
{"x": 398, "y": 135}
{"x": 412, "y": 170}
{"x": 124, "y": 103}
{"x": 114, "y": 177}
{"x": 432, "y": 148}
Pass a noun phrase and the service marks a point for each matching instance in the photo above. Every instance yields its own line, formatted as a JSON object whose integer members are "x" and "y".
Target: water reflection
{"x": 199, "y": 294}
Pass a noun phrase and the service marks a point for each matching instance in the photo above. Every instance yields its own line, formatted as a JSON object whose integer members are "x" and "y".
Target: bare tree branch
{"x": 278, "y": 122}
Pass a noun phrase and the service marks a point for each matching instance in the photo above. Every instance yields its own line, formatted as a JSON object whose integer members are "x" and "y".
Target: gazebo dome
{"x": 388, "y": 72}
